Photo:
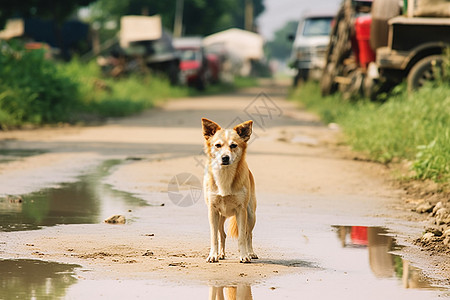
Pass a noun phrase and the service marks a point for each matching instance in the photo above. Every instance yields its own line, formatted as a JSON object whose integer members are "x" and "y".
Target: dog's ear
{"x": 209, "y": 128}
{"x": 244, "y": 130}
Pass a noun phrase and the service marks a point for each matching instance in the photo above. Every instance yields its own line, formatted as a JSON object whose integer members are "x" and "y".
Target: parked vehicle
{"x": 414, "y": 49}
{"x": 310, "y": 45}
{"x": 214, "y": 67}
{"x": 237, "y": 49}
{"x": 194, "y": 69}
{"x": 142, "y": 38}
{"x": 373, "y": 47}
{"x": 346, "y": 60}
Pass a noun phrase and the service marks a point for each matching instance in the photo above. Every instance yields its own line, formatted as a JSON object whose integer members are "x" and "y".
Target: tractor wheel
{"x": 425, "y": 70}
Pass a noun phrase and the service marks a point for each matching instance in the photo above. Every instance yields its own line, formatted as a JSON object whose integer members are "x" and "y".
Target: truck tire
{"x": 427, "y": 69}
{"x": 300, "y": 76}
{"x": 327, "y": 84}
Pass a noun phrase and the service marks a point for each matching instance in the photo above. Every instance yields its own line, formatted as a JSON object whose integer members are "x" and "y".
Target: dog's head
{"x": 226, "y": 146}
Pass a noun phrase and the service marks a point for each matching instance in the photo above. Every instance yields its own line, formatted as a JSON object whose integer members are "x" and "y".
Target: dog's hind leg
{"x": 251, "y": 253}
{"x": 251, "y": 220}
{"x": 222, "y": 237}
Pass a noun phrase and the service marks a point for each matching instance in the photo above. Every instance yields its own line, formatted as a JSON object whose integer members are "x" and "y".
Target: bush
{"x": 32, "y": 89}
{"x": 38, "y": 91}
{"x": 415, "y": 127}
{"x": 108, "y": 97}
{"x": 35, "y": 90}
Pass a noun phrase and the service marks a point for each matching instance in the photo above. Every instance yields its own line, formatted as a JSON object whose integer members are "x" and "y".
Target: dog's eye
{"x": 233, "y": 146}
{"x": 218, "y": 145}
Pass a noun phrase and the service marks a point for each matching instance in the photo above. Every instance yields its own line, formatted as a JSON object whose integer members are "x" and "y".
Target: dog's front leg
{"x": 241, "y": 218}
{"x": 222, "y": 237}
{"x": 213, "y": 215}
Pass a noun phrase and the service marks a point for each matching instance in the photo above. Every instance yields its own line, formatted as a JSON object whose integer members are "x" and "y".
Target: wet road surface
{"x": 323, "y": 231}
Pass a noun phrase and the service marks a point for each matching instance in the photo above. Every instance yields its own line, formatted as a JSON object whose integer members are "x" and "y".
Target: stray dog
{"x": 229, "y": 188}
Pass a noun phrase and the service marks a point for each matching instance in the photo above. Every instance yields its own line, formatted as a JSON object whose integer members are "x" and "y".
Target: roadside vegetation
{"x": 35, "y": 90}
{"x": 413, "y": 127}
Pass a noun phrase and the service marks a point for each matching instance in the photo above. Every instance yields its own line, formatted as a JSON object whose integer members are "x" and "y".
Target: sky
{"x": 279, "y": 12}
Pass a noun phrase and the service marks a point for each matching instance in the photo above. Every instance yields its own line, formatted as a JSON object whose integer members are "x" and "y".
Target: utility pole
{"x": 249, "y": 15}
{"x": 178, "y": 22}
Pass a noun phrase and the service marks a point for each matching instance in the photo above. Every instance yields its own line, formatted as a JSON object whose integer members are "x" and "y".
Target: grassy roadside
{"x": 37, "y": 91}
{"x": 413, "y": 127}
{"x": 109, "y": 97}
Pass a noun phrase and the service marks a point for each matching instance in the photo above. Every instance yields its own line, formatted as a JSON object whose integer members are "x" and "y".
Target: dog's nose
{"x": 225, "y": 159}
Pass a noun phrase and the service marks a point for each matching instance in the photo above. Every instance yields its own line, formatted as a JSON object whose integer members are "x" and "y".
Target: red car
{"x": 193, "y": 62}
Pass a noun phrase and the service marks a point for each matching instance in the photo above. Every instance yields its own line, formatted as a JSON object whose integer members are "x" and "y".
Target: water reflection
{"x": 86, "y": 201}
{"x": 239, "y": 292}
{"x": 383, "y": 263}
{"x": 35, "y": 279}
{"x": 7, "y": 155}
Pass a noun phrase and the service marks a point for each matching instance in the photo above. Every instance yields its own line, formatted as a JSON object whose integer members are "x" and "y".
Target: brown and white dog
{"x": 229, "y": 188}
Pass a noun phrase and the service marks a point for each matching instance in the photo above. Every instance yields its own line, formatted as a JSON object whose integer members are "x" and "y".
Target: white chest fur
{"x": 224, "y": 177}
{"x": 227, "y": 205}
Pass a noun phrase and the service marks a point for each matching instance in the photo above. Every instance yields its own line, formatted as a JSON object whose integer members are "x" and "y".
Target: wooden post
{"x": 178, "y": 22}
{"x": 249, "y": 15}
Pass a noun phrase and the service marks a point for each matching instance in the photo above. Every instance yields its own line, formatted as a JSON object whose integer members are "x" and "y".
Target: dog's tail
{"x": 233, "y": 228}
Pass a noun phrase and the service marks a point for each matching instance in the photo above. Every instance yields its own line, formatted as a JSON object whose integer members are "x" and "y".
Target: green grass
{"x": 245, "y": 82}
{"x": 415, "y": 127}
{"x": 108, "y": 97}
{"x": 31, "y": 88}
{"x": 35, "y": 90}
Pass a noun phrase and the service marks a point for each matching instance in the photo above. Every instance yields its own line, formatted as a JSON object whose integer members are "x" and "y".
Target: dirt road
{"x": 327, "y": 225}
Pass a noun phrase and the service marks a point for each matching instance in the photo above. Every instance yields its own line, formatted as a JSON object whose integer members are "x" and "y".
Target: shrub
{"x": 32, "y": 89}
{"x": 415, "y": 127}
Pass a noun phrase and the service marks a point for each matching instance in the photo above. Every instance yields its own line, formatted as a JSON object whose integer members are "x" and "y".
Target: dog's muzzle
{"x": 225, "y": 160}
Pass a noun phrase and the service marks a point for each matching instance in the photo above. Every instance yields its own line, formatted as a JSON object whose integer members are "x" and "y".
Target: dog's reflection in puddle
{"x": 240, "y": 292}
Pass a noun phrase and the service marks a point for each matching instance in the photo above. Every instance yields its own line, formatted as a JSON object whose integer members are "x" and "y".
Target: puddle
{"x": 35, "y": 279}
{"x": 357, "y": 264}
{"x": 7, "y": 155}
{"x": 85, "y": 201}
{"x": 379, "y": 247}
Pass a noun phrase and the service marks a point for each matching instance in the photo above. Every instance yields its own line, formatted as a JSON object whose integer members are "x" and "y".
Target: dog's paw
{"x": 222, "y": 256}
{"x": 212, "y": 258}
{"x": 245, "y": 259}
{"x": 253, "y": 256}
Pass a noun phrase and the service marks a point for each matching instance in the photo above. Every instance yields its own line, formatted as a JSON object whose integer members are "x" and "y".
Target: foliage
{"x": 415, "y": 127}
{"x": 108, "y": 97}
{"x": 34, "y": 90}
{"x": 215, "y": 15}
{"x": 31, "y": 89}
{"x": 47, "y": 9}
{"x": 280, "y": 46}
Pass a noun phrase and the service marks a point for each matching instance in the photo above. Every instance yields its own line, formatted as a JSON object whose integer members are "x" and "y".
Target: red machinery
{"x": 361, "y": 42}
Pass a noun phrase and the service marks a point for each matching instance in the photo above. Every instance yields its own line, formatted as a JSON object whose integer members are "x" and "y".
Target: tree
{"x": 44, "y": 9}
{"x": 200, "y": 17}
{"x": 280, "y": 47}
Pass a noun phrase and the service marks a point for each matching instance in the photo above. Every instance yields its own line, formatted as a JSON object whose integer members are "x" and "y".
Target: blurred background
{"x": 82, "y": 58}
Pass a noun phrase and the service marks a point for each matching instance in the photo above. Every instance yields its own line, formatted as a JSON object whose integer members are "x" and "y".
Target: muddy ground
{"x": 309, "y": 188}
